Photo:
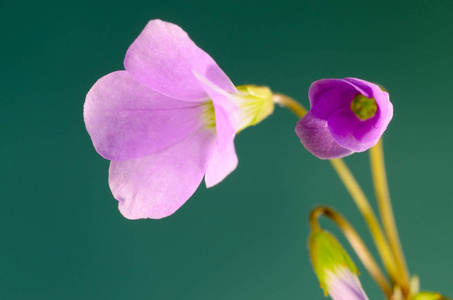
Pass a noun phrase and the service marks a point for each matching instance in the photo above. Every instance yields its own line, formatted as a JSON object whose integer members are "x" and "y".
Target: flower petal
{"x": 327, "y": 95}
{"x": 342, "y": 125}
{"x": 221, "y": 165}
{"x": 360, "y": 135}
{"x": 155, "y": 186}
{"x": 127, "y": 120}
{"x": 315, "y": 135}
{"x": 224, "y": 160}
{"x": 163, "y": 57}
{"x": 344, "y": 285}
{"x": 385, "y": 107}
{"x": 226, "y": 111}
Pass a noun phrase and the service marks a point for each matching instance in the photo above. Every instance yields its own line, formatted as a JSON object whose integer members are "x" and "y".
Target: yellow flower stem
{"x": 356, "y": 193}
{"x": 356, "y": 242}
{"x": 368, "y": 214}
{"x": 290, "y": 103}
{"x": 386, "y": 212}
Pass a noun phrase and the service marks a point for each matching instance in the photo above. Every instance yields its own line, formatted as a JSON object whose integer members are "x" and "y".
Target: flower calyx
{"x": 330, "y": 261}
{"x": 255, "y": 104}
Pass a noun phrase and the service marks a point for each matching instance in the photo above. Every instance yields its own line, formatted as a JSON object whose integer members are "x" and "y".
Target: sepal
{"x": 329, "y": 259}
{"x": 255, "y": 104}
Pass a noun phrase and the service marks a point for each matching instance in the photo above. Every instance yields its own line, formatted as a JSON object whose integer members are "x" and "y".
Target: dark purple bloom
{"x": 346, "y": 116}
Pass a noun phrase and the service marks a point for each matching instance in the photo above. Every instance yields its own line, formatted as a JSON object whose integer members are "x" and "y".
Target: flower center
{"x": 363, "y": 107}
{"x": 208, "y": 115}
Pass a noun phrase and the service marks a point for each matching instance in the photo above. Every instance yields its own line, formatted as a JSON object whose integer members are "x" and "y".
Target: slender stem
{"x": 356, "y": 193}
{"x": 368, "y": 214}
{"x": 290, "y": 103}
{"x": 357, "y": 244}
{"x": 386, "y": 212}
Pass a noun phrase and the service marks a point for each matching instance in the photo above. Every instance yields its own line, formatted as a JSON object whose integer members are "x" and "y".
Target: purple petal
{"x": 342, "y": 126}
{"x": 385, "y": 107}
{"x": 359, "y": 135}
{"x": 155, "y": 186}
{"x": 127, "y": 120}
{"x": 316, "y": 137}
{"x": 221, "y": 165}
{"x": 330, "y": 94}
{"x": 344, "y": 285}
{"x": 163, "y": 57}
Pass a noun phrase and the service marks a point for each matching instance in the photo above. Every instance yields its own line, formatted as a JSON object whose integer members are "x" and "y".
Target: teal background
{"x": 62, "y": 235}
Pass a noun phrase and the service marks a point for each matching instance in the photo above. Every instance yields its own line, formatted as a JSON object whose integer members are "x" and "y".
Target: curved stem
{"x": 290, "y": 103}
{"x": 386, "y": 212}
{"x": 357, "y": 244}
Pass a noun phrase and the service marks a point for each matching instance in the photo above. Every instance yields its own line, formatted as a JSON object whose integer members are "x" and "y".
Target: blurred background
{"x": 63, "y": 237}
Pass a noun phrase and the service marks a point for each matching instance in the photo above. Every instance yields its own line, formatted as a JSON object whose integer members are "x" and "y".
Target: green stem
{"x": 290, "y": 103}
{"x": 387, "y": 216}
{"x": 368, "y": 214}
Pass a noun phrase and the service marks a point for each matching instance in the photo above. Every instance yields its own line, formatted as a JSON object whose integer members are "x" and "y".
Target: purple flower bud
{"x": 346, "y": 116}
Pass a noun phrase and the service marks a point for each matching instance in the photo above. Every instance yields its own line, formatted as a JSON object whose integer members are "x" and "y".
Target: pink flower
{"x": 346, "y": 116}
{"x": 165, "y": 122}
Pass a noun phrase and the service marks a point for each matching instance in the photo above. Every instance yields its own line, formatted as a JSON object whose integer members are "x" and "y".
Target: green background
{"x": 62, "y": 235}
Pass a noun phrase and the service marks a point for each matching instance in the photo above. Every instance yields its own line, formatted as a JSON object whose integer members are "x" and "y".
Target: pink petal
{"x": 155, "y": 186}
{"x": 163, "y": 57}
{"x": 127, "y": 120}
{"x": 224, "y": 160}
{"x": 221, "y": 165}
{"x": 315, "y": 135}
{"x": 226, "y": 111}
{"x": 344, "y": 285}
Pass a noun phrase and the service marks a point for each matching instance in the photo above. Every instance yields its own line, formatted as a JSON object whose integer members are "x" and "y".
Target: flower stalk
{"x": 386, "y": 213}
{"x": 288, "y": 102}
{"x": 368, "y": 214}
